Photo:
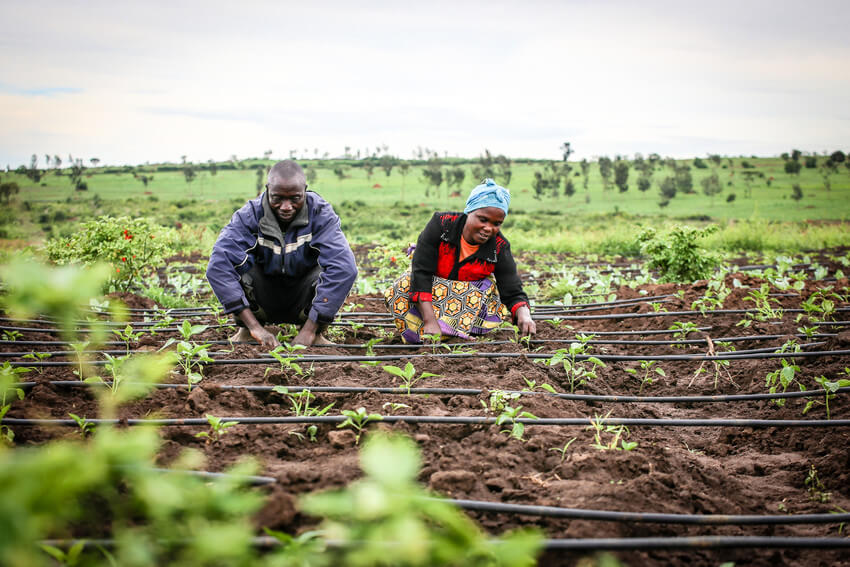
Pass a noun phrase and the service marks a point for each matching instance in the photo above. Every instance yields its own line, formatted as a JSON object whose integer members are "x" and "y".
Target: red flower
{"x": 392, "y": 259}
{"x": 118, "y": 270}
{"x": 123, "y": 258}
{"x": 151, "y": 235}
{"x": 134, "y": 255}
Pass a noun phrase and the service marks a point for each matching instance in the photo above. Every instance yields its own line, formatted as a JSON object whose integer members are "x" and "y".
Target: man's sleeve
{"x": 508, "y": 282}
{"x": 339, "y": 269}
{"x": 423, "y": 266}
{"x": 230, "y": 253}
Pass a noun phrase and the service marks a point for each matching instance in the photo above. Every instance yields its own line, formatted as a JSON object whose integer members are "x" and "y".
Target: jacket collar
{"x": 454, "y": 232}
{"x": 269, "y": 224}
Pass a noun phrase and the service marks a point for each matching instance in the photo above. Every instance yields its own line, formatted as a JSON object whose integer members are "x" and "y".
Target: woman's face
{"x": 483, "y": 224}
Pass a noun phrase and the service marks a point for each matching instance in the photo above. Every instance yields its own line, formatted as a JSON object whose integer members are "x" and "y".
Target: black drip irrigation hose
{"x": 588, "y": 544}
{"x": 482, "y": 355}
{"x": 60, "y": 353}
{"x": 453, "y": 420}
{"x": 463, "y": 392}
{"x": 576, "y": 513}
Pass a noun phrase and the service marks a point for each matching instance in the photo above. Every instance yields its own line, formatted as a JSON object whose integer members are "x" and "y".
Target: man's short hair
{"x": 287, "y": 170}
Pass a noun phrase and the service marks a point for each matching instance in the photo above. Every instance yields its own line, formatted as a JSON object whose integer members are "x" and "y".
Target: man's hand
{"x": 265, "y": 338}
{"x": 307, "y": 335}
{"x": 525, "y": 322}
{"x": 257, "y": 331}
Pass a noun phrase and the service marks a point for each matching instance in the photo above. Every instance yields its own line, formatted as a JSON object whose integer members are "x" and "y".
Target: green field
{"x": 387, "y": 208}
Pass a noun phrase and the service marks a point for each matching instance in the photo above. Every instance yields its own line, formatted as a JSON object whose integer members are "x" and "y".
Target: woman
{"x": 457, "y": 259}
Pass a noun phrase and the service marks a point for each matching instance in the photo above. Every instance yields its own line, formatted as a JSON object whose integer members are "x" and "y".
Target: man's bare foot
{"x": 242, "y": 336}
{"x": 321, "y": 340}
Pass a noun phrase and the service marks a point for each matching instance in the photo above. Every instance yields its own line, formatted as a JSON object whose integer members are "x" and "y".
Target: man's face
{"x": 286, "y": 197}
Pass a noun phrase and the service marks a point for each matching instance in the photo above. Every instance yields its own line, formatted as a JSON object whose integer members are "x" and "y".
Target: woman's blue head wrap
{"x": 488, "y": 194}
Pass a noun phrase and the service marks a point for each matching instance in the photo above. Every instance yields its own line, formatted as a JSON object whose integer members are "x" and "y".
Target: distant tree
{"x": 621, "y": 175}
{"x": 213, "y": 167}
{"x": 644, "y": 182}
{"x": 94, "y": 161}
{"x": 46, "y": 161}
{"x": 477, "y": 173}
{"x": 433, "y": 173}
{"x": 486, "y": 161}
{"x": 312, "y": 174}
{"x": 504, "y": 167}
{"x": 666, "y": 190}
{"x": 684, "y": 180}
{"x": 785, "y": 156}
{"x": 569, "y": 187}
{"x": 267, "y": 154}
{"x": 369, "y": 166}
{"x": 795, "y": 155}
{"x": 792, "y": 167}
{"x": 796, "y": 192}
{"x": 77, "y": 170}
{"x": 566, "y": 150}
{"x": 260, "y": 171}
{"x": 387, "y": 164}
{"x": 605, "y": 170}
{"x": 837, "y": 156}
{"x": 699, "y": 164}
{"x": 189, "y": 173}
{"x": 827, "y": 169}
{"x": 730, "y": 198}
{"x": 456, "y": 175}
{"x": 34, "y": 173}
{"x": 403, "y": 169}
{"x": 749, "y": 177}
{"x": 811, "y": 162}
{"x": 539, "y": 184}
{"x": 585, "y": 172}
{"x": 8, "y": 189}
{"x": 57, "y": 163}
{"x": 711, "y": 186}
{"x": 340, "y": 171}
{"x": 715, "y": 160}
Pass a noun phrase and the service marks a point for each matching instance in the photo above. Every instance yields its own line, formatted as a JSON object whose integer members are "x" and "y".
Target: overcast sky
{"x": 130, "y": 82}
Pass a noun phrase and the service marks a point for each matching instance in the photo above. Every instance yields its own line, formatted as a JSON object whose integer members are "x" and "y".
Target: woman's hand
{"x": 525, "y": 322}
{"x": 430, "y": 325}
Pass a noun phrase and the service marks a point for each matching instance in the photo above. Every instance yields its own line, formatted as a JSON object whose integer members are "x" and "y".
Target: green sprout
{"x": 407, "y": 375}
{"x": 649, "y": 368}
{"x": 510, "y": 415}
{"x": 578, "y": 372}
{"x": 357, "y": 420}
{"x": 218, "y": 427}
{"x": 600, "y": 428}
{"x": 563, "y": 450}
{"x": 86, "y": 427}
{"x": 286, "y": 362}
{"x": 128, "y": 336}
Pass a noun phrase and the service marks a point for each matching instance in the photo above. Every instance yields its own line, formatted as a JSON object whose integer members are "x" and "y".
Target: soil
{"x": 680, "y": 470}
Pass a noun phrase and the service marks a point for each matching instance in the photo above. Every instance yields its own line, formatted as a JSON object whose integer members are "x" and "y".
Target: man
{"x": 282, "y": 259}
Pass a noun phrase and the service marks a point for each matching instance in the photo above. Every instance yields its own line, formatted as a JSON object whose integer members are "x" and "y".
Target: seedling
{"x": 86, "y": 427}
{"x": 12, "y": 335}
{"x": 765, "y": 310}
{"x": 356, "y": 326}
{"x": 69, "y": 558}
{"x": 830, "y": 389}
{"x": 38, "y": 356}
{"x": 113, "y": 366}
{"x": 300, "y": 402}
{"x": 79, "y": 348}
{"x": 286, "y": 362}
{"x": 163, "y": 322}
{"x": 563, "y": 450}
{"x": 600, "y": 428}
{"x": 357, "y": 420}
{"x": 557, "y": 323}
{"x": 816, "y": 488}
{"x": 191, "y": 357}
{"x": 370, "y": 351}
{"x": 407, "y": 375}
{"x": 349, "y": 307}
{"x": 8, "y": 373}
{"x": 335, "y": 334}
{"x": 218, "y": 427}
{"x": 394, "y": 406}
{"x": 649, "y": 368}
{"x": 808, "y": 331}
{"x": 188, "y": 330}
{"x": 578, "y": 372}
{"x": 531, "y": 385}
{"x": 783, "y": 377}
{"x": 128, "y": 336}
{"x": 510, "y": 415}
{"x": 499, "y": 400}
{"x": 683, "y": 329}
{"x": 287, "y": 333}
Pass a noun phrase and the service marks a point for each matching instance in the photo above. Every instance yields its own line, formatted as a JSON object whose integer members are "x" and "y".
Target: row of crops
{"x": 705, "y": 423}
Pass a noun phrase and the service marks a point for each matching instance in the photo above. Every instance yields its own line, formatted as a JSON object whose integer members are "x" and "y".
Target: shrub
{"x": 792, "y": 167}
{"x": 676, "y": 255}
{"x": 699, "y": 163}
{"x": 133, "y": 247}
{"x": 811, "y": 162}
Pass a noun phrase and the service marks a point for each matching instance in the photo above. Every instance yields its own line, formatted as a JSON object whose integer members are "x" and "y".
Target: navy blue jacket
{"x": 314, "y": 237}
